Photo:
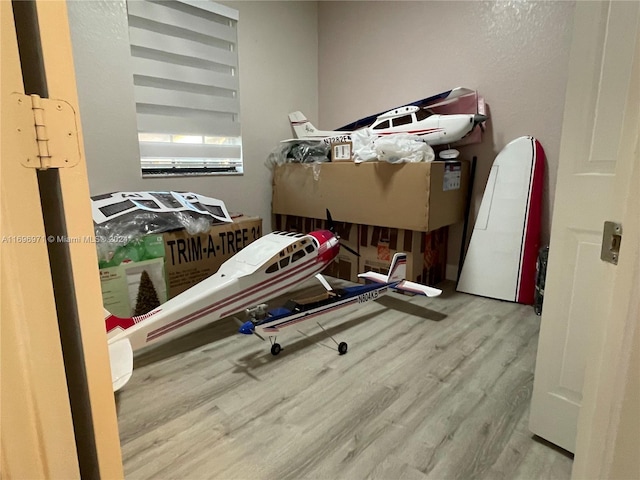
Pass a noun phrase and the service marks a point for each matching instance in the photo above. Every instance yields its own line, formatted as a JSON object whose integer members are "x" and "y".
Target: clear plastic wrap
{"x": 299, "y": 151}
{"x": 122, "y": 218}
{"x": 366, "y": 147}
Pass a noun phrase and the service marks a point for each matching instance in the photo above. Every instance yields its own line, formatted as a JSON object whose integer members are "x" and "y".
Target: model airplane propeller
{"x": 268, "y": 267}
{"x": 332, "y": 229}
{"x": 296, "y": 312}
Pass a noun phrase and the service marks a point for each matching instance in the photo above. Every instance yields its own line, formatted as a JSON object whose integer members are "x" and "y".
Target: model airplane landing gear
{"x": 342, "y": 346}
{"x": 276, "y": 348}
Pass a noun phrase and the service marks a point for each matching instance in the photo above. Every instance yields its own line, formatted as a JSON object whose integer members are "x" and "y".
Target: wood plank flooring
{"x": 430, "y": 389}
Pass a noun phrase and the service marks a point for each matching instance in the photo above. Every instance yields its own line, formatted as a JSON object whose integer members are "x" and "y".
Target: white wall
{"x": 339, "y": 61}
{"x": 378, "y": 55}
{"x": 278, "y": 52}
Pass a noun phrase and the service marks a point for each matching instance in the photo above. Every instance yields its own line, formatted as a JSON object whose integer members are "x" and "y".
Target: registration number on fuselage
{"x": 367, "y": 296}
{"x": 337, "y": 139}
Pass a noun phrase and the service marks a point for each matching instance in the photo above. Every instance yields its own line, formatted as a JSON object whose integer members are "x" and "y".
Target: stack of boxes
{"x": 426, "y": 251}
{"x": 378, "y": 209}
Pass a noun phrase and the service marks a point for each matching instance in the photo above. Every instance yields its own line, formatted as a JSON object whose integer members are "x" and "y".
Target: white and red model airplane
{"x": 417, "y": 119}
{"x": 296, "y": 312}
{"x": 263, "y": 269}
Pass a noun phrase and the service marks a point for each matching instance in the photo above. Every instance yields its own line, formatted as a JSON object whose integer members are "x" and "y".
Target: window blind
{"x": 185, "y": 76}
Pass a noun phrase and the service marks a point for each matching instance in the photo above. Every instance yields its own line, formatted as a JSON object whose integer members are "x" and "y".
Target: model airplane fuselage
{"x": 296, "y": 312}
{"x": 420, "y": 120}
{"x": 265, "y": 268}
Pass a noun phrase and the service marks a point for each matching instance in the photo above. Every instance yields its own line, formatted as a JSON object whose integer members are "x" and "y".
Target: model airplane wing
{"x": 121, "y": 358}
{"x": 501, "y": 257}
{"x": 435, "y": 100}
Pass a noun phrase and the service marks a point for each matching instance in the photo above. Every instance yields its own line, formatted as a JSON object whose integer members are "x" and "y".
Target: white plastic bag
{"x": 363, "y": 146}
{"x": 403, "y": 147}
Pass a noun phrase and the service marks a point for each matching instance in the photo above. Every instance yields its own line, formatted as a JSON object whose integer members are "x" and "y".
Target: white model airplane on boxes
{"x": 269, "y": 266}
{"x": 419, "y": 118}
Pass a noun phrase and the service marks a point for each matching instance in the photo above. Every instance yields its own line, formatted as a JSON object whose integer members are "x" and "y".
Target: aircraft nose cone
{"x": 247, "y": 328}
{"x": 479, "y": 119}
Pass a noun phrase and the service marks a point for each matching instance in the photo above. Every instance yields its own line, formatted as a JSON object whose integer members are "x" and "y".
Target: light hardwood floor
{"x": 430, "y": 388}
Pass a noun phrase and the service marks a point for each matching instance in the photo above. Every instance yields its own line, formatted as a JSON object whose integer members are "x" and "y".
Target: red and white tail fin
{"x": 397, "y": 273}
{"x": 398, "y": 269}
{"x": 301, "y": 126}
{"x": 120, "y": 358}
{"x": 304, "y": 129}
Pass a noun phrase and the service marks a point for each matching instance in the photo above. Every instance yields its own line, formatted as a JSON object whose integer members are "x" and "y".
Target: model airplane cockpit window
{"x": 272, "y": 268}
{"x": 423, "y": 113}
{"x": 297, "y": 255}
{"x": 403, "y": 120}
{"x": 381, "y": 125}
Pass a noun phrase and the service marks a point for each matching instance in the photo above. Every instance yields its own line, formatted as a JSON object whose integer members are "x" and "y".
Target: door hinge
{"x": 46, "y": 132}
{"x": 611, "y": 240}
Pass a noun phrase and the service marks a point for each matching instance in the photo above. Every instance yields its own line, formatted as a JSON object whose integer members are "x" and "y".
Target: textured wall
{"x": 377, "y": 55}
{"x": 278, "y": 45}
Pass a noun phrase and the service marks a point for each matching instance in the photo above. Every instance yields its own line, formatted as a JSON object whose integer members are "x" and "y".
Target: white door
{"x": 593, "y": 185}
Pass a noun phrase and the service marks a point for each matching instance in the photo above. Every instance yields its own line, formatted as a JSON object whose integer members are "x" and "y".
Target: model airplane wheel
{"x": 275, "y": 349}
{"x": 342, "y": 348}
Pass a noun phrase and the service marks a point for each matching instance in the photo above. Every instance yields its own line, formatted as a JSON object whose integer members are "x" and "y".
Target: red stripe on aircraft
{"x": 233, "y": 298}
{"x": 526, "y": 290}
{"x": 243, "y": 294}
{"x": 413, "y": 132}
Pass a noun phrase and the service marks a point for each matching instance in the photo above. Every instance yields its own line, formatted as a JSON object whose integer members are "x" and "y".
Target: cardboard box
{"x": 411, "y": 196}
{"x": 426, "y": 251}
{"x": 173, "y": 260}
{"x": 341, "y": 152}
{"x": 189, "y": 259}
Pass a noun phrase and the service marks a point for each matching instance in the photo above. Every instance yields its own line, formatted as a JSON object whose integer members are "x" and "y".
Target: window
{"x": 284, "y": 262}
{"x": 185, "y": 75}
{"x": 403, "y": 120}
{"x": 382, "y": 125}
{"x": 297, "y": 256}
{"x": 272, "y": 268}
{"x": 423, "y": 113}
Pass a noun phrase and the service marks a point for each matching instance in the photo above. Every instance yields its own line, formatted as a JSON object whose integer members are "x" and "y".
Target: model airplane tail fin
{"x": 301, "y": 126}
{"x": 120, "y": 358}
{"x": 397, "y": 274}
{"x": 398, "y": 269}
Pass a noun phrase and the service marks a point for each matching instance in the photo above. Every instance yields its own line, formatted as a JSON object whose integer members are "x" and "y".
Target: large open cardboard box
{"x": 426, "y": 252}
{"x": 413, "y": 196}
